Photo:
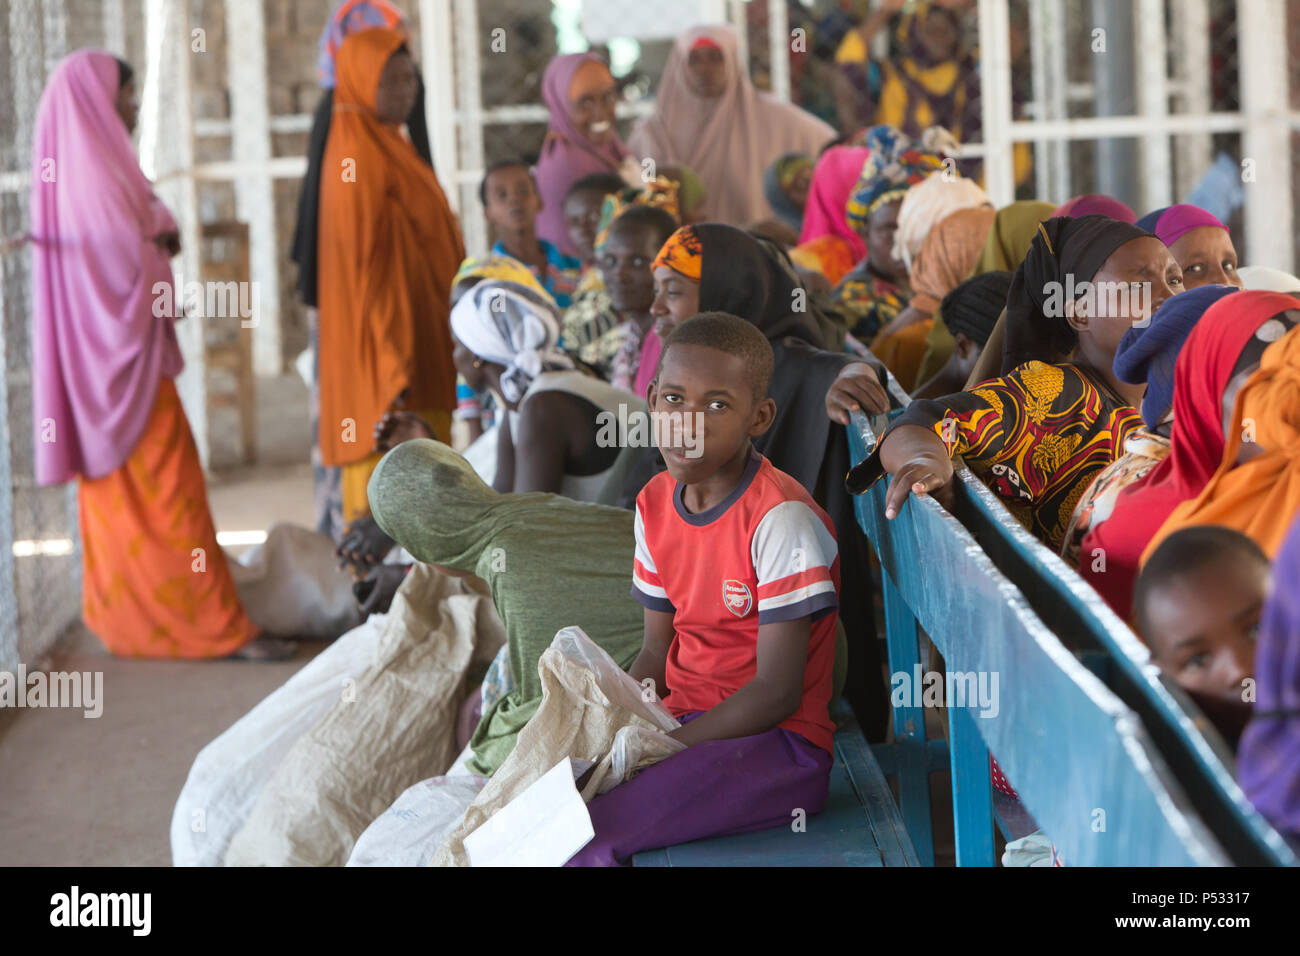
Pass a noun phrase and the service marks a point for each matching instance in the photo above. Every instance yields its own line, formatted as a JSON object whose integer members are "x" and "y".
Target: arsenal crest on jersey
{"x": 736, "y": 597}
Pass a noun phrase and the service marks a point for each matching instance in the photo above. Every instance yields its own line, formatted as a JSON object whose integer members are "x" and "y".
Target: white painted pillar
{"x": 1265, "y": 145}
{"x": 995, "y": 100}
{"x": 168, "y": 156}
{"x": 1192, "y": 67}
{"x": 778, "y": 44}
{"x": 1153, "y": 101}
{"x": 115, "y": 28}
{"x": 472, "y": 224}
{"x": 439, "y": 92}
{"x": 1048, "y": 61}
{"x": 250, "y": 141}
{"x": 738, "y": 17}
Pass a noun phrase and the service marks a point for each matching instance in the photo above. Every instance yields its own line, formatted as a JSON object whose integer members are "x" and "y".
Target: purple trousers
{"x": 715, "y": 788}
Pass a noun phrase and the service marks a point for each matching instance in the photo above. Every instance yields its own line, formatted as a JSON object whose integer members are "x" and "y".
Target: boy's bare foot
{"x": 266, "y": 649}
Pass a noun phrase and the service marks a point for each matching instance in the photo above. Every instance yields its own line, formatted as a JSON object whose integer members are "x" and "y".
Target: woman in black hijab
{"x": 1058, "y": 414}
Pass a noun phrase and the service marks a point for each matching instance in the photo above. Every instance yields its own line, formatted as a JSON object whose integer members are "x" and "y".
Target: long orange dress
{"x": 154, "y": 581}
{"x": 389, "y": 247}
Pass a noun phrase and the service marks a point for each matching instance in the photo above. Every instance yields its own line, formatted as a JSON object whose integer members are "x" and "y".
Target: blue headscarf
{"x": 1148, "y": 353}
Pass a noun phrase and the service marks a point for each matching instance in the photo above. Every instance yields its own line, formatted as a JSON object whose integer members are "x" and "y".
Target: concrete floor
{"x": 100, "y": 792}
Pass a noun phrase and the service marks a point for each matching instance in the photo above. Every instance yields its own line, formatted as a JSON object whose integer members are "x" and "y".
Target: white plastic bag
{"x": 587, "y": 701}
{"x": 411, "y": 830}
{"x": 291, "y": 585}
{"x": 230, "y": 772}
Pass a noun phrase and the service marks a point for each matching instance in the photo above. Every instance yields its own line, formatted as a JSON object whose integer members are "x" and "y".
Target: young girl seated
{"x": 738, "y": 571}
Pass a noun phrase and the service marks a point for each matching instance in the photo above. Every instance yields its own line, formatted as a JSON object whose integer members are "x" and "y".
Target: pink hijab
{"x": 567, "y": 155}
{"x": 1098, "y": 204}
{"x": 98, "y": 350}
{"x": 834, "y": 177}
{"x": 728, "y": 141}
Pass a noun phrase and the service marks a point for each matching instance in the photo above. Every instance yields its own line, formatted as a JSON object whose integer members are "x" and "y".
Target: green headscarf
{"x": 1006, "y": 245}
{"x": 550, "y": 562}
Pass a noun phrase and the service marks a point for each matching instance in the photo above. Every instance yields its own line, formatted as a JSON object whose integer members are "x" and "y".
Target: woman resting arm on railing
{"x": 1040, "y": 433}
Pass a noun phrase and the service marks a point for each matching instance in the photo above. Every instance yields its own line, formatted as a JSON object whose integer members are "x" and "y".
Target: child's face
{"x": 706, "y": 409}
{"x": 881, "y": 226}
{"x": 624, "y": 263}
{"x": 1201, "y": 625}
{"x": 581, "y": 217}
{"x": 512, "y": 199}
{"x": 797, "y": 191}
{"x": 677, "y": 298}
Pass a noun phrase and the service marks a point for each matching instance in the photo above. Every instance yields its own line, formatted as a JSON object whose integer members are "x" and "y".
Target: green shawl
{"x": 550, "y": 562}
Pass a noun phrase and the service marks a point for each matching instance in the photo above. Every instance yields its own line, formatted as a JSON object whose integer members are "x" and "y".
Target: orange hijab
{"x": 388, "y": 249}
{"x": 1259, "y": 497}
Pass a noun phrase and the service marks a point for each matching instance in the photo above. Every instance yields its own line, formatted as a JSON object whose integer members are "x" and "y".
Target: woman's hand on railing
{"x": 856, "y": 387}
{"x": 918, "y": 463}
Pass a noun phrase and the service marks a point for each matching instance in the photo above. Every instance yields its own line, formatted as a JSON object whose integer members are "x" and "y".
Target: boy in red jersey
{"x": 738, "y": 570}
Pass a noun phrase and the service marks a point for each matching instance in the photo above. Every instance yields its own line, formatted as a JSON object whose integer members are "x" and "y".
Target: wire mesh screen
{"x": 39, "y": 554}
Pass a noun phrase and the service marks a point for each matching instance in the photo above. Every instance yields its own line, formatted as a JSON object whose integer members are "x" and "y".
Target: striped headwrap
{"x": 895, "y": 163}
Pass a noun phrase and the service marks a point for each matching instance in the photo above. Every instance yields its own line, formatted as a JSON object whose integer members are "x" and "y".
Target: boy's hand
{"x": 856, "y": 387}
{"x": 397, "y": 427}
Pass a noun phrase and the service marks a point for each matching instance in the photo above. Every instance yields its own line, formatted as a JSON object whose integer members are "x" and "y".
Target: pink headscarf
{"x": 1173, "y": 222}
{"x": 1096, "y": 204}
{"x": 98, "y": 350}
{"x": 833, "y": 178}
{"x": 567, "y": 155}
{"x": 728, "y": 141}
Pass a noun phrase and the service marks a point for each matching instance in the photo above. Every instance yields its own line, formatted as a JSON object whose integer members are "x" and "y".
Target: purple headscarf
{"x": 1173, "y": 222}
{"x": 1096, "y": 204}
{"x": 98, "y": 350}
{"x": 567, "y": 155}
{"x": 1269, "y": 756}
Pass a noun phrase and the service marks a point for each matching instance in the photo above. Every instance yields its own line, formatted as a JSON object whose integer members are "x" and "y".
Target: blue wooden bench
{"x": 860, "y": 825}
{"x": 1088, "y": 734}
{"x": 1186, "y": 740}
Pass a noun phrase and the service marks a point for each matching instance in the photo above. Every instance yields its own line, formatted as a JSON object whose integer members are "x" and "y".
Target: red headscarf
{"x": 1201, "y": 376}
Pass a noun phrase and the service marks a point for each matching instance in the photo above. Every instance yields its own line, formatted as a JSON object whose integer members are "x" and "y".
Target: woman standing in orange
{"x": 388, "y": 249}
{"x": 155, "y": 583}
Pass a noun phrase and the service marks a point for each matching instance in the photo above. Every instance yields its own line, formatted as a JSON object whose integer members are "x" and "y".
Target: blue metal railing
{"x": 1111, "y": 767}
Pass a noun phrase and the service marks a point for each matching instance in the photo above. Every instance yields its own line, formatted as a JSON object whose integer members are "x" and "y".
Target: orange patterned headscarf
{"x": 682, "y": 253}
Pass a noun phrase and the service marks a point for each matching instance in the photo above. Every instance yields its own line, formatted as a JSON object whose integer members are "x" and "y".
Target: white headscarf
{"x": 1267, "y": 279}
{"x": 506, "y": 324}
{"x": 728, "y": 141}
{"x": 928, "y": 203}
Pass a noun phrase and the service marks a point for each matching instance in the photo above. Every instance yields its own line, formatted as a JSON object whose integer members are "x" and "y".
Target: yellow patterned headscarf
{"x": 504, "y": 268}
{"x": 683, "y": 253}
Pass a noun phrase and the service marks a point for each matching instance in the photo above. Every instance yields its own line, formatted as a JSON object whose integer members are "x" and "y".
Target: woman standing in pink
{"x": 155, "y": 582}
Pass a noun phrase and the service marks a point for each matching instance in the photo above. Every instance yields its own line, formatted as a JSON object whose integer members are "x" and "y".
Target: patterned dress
{"x": 1037, "y": 437}
{"x": 869, "y": 302}
{"x": 1143, "y": 450}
